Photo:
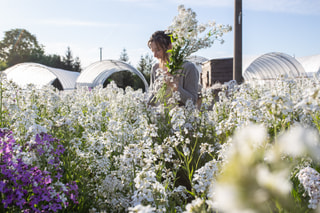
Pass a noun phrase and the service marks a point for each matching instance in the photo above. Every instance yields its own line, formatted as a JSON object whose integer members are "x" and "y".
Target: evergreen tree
{"x": 145, "y": 65}
{"x": 68, "y": 60}
{"x": 124, "y": 56}
{"x": 69, "y": 63}
{"x": 142, "y": 64}
{"x": 77, "y": 65}
{"x": 124, "y": 78}
{"x": 52, "y": 61}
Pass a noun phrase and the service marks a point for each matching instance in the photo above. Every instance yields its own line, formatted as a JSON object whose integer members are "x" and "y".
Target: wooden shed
{"x": 216, "y": 71}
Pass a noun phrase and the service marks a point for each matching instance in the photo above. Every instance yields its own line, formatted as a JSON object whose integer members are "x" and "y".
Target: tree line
{"x": 19, "y": 45}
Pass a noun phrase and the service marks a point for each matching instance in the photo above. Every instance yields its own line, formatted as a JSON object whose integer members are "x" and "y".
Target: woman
{"x": 186, "y": 82}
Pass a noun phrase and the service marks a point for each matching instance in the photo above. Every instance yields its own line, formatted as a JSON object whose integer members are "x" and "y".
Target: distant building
{"x": 216, "y": 71}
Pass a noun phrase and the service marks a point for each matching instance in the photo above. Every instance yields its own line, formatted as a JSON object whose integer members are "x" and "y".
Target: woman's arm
{"x": 188, "y": 83}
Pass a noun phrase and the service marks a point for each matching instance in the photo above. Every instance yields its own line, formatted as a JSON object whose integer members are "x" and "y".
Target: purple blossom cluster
{"x": 33, "y": 188}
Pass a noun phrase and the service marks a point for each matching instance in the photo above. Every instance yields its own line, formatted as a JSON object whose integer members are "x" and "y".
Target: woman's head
{"x": 159, "y": 43}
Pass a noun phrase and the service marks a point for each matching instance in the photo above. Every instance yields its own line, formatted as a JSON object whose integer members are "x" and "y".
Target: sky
{"x": 287, "y": 26}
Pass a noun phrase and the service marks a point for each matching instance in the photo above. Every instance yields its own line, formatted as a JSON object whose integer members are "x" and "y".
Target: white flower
{"x": 310, "y": 180}
{"x": 204, "y": 176}
{"x": 248, "y": 139}
{"x": 186, "y": 32}
{"x": 195, "y": 206}
{"x": 299, "y": 141}
{"x": 36, "y": 129}
{"x": 226, "y": 199}
{"x": 141, "y": 209}
{"x": 276, "y": 181}
{"x": 148, "y": 188}
{"x": 186, "y": 150}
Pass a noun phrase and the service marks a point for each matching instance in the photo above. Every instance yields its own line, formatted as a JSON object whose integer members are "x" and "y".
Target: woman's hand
{"x": 171, "y": 80}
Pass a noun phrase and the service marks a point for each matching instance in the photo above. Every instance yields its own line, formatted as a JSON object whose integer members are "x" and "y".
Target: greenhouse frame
{"x": 97, "y": 73}
{"x": 40, "y": 75}
{"x": 273, "y": 65}
{"x": 311, "y": 64}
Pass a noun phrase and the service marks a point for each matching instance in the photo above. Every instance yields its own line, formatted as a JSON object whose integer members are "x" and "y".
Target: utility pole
{"x": 100, "y": 53}
{"x": 237, "y": 58}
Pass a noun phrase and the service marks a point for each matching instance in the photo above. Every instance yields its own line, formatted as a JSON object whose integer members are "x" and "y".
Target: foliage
{"x": 68, "y": 59}
{"x": 51, "y": 61}
{"x": 3, "y": 65}
{"x": 255, "y": 149}
{"x": 31, "y": 174}
{"x": 125, "y": 79}
{"x": 69, "y": 63}
{"x": 20, "y": 46}
{"x": 124, "y": 56}
{"x": 145, "y": 65}
{"x": 167, "y": 158}
{"x": 77, "y": 65}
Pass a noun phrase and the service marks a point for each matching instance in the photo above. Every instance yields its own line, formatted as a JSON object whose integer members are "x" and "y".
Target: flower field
{"x": 254, "y": 148}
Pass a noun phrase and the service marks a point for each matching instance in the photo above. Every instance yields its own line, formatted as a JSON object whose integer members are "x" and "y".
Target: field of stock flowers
{"x": 254, "y": 148}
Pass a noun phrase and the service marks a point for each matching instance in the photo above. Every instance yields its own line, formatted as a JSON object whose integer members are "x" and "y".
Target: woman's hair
{"x": 161, "y": 39}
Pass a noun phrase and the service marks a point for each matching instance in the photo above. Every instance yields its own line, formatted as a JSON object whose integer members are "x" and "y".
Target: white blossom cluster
{"x": 191, "y": 36}
{"x": 197, "y": 205}
{"x": 159, "y": 92}
{"x": 149, "y": 190}
{"x": 142, "y": 209}
{"x": 128, "y": 153}
{"x": 310, "y": 180}
{"x": 204, "y": 176}
{"x": 245, "y": 171}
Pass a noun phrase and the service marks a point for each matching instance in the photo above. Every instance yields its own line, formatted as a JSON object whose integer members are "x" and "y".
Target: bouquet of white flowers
{"x": 188, "y": 37}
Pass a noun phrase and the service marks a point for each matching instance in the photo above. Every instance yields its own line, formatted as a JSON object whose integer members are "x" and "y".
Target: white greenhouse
{"x": 97, "y": 73}
{"x": 311, "y": 64}
{"x": 40, "y": 75}
{"x": 273, "y": 65}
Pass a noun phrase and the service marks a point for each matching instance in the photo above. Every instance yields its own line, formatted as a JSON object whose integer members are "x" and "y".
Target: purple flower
{"x": 47, "y": 180}
{"x": 30, "y": 187}
{"x": 41, "y": 151}
{"x": 58, "y": 176}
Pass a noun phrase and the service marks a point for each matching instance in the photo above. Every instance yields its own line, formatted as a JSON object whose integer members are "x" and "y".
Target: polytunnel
{"x": 273, "y": 65}
{"x": 97, "y": 73}
{"x": 311, "y": 64}
{"x": 41, "y": 75}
